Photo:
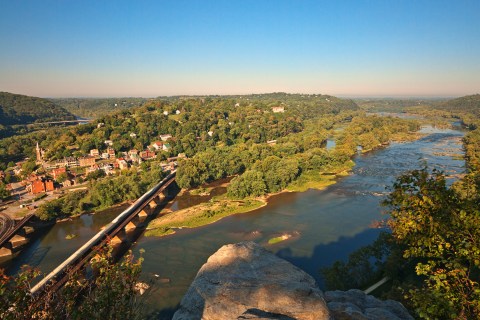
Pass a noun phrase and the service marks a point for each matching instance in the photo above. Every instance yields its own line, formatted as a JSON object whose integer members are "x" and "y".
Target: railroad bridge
{"x": 13, "y": 233}
{"x": 115, "y": 232}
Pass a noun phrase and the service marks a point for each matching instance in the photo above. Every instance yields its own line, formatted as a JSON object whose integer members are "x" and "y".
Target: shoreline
{"x": 319, "y": 180}
{"x": 221, "y": 207}
{"x": 159, "y": 227}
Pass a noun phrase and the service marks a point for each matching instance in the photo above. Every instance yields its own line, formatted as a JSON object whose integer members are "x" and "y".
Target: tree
{"x": 28, "y": 167}
{"x": 4, "y": 193}
{"x": 439, "y": 229}
{"x": 250, "y": 183}
{"x": 111, "y": 295}
{"x": 62, "y": 177}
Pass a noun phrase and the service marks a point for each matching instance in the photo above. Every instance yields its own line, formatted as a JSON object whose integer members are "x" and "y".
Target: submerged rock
{"x": 245, "y": 281}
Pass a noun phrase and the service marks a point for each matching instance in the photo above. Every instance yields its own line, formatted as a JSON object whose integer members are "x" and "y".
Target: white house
{"x": 157, "y": 145}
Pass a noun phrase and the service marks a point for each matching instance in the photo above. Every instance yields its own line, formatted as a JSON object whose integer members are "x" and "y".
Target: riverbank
{"x": 221, "y": 206}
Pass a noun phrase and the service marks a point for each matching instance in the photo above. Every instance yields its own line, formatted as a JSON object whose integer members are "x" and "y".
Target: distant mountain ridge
{"x": 16, "y": 109}
{"x": 469, "y": 104}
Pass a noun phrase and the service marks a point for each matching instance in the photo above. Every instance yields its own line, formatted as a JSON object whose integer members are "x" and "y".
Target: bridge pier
{"x": 120, "y": 237}
{"x": 5, "y": 252}
{"x": 161, "y": 196}
{"x": 18, "y": 241}
{"x": 131, "y": 226}
{"x": 153, "y": 204}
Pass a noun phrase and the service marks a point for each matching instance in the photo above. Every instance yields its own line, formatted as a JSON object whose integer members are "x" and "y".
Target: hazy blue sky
{"x": 151, "y": 48}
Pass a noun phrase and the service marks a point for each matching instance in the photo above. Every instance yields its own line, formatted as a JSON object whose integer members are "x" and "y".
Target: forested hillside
{"x": 92, "y": 108}
{"x": 469, "y": 104}
{"x": 19, "y": 109}
{"x": 230, "y": 120}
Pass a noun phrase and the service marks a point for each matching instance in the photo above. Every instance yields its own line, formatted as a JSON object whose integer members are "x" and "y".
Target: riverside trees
{"x": 111, "y": 295}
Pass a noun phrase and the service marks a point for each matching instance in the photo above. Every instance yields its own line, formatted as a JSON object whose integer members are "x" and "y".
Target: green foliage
{"x": 439, "y": 228}
{"x": 250, "y": 183}
{"x": 20, "y": 109}
{"x": 97, "y": 107}
{"x": 102, "y": 193}
{"x": 111, "y": 295}
{"x": 4, "y": 193}
{"x": 469, "y": 104}
{"x": 28, "y": 167}
{"x": 62, "y": 177}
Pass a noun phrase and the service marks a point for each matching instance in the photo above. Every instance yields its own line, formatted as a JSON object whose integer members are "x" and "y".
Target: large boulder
{"x": 245, "y": 281}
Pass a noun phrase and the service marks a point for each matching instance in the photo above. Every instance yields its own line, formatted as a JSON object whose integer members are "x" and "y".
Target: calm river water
{"x": 327, "y": 225}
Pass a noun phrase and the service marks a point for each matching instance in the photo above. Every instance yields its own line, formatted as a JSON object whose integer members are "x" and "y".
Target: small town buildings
{"x": 165, "y": 113}
{"x": 278, "y": 109}
{"x": 100, "y": 124}
{"x": 40, "y": 185}
{"x": 122, "y": 164}
{"x": 108, "y": 168}
{"x": 147, "y": 154}
{"x": 71, "y": 162}
{"x": 67, "y": 183}
{"x": 95, "y": 153}
{"x": 133, "y": 135}
{"x": 109, "y": 142}
{"x": 157, "y": 145}
{"x": 2, "y": 174}
{"x": 180, "y": 156}
{"x": 165, "y": 137}
{"x": 86, "y": 161}
{"x": 133, "y": 152}
{"x": 166, "y": 147}
{"x": 92, "y": 168}
{"x": 111, "y": 153}
{"x": 210, "y": 133}
{"x": 58, "y": 171}
{"x": 177, "y": 112}
{"x": 104, "y": 155}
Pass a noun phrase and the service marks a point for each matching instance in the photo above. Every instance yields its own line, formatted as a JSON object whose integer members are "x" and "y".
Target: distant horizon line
{"x": 350, "y": 96}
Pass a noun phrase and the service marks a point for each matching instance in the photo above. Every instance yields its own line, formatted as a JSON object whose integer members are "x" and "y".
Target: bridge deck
{"x": 59, "y": 276}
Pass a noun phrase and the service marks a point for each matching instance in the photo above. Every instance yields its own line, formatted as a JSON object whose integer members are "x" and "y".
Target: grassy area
{"x": 319, "y": 180}
{"x": 278, "y": 239}
{"x": 200, "y": 215}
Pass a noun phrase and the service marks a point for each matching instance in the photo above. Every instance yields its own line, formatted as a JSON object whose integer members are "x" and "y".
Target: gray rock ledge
{"x": 245, "y": 281}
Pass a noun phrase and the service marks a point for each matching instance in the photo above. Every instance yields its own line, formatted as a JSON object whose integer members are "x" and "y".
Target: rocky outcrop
{"x": 355, "y": 304}
{"x": 245, "y": 281}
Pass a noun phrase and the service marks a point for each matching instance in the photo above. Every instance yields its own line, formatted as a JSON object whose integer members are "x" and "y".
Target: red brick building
{"x": 39, "y": 186}
{"x": 57, "y": 172}
{"x": 147, "y": 154}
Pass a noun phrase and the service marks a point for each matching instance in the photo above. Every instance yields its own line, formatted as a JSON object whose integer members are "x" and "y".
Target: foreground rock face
{"x": 245, "y": 281}
{"x": 355, "y": 304}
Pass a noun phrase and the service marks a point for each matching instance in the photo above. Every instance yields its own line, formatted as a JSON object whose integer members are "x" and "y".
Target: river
{"x": 326, "y": 225}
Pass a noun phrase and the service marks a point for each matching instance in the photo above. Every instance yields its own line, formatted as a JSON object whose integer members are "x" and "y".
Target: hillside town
{"x": 72, "y": 173}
